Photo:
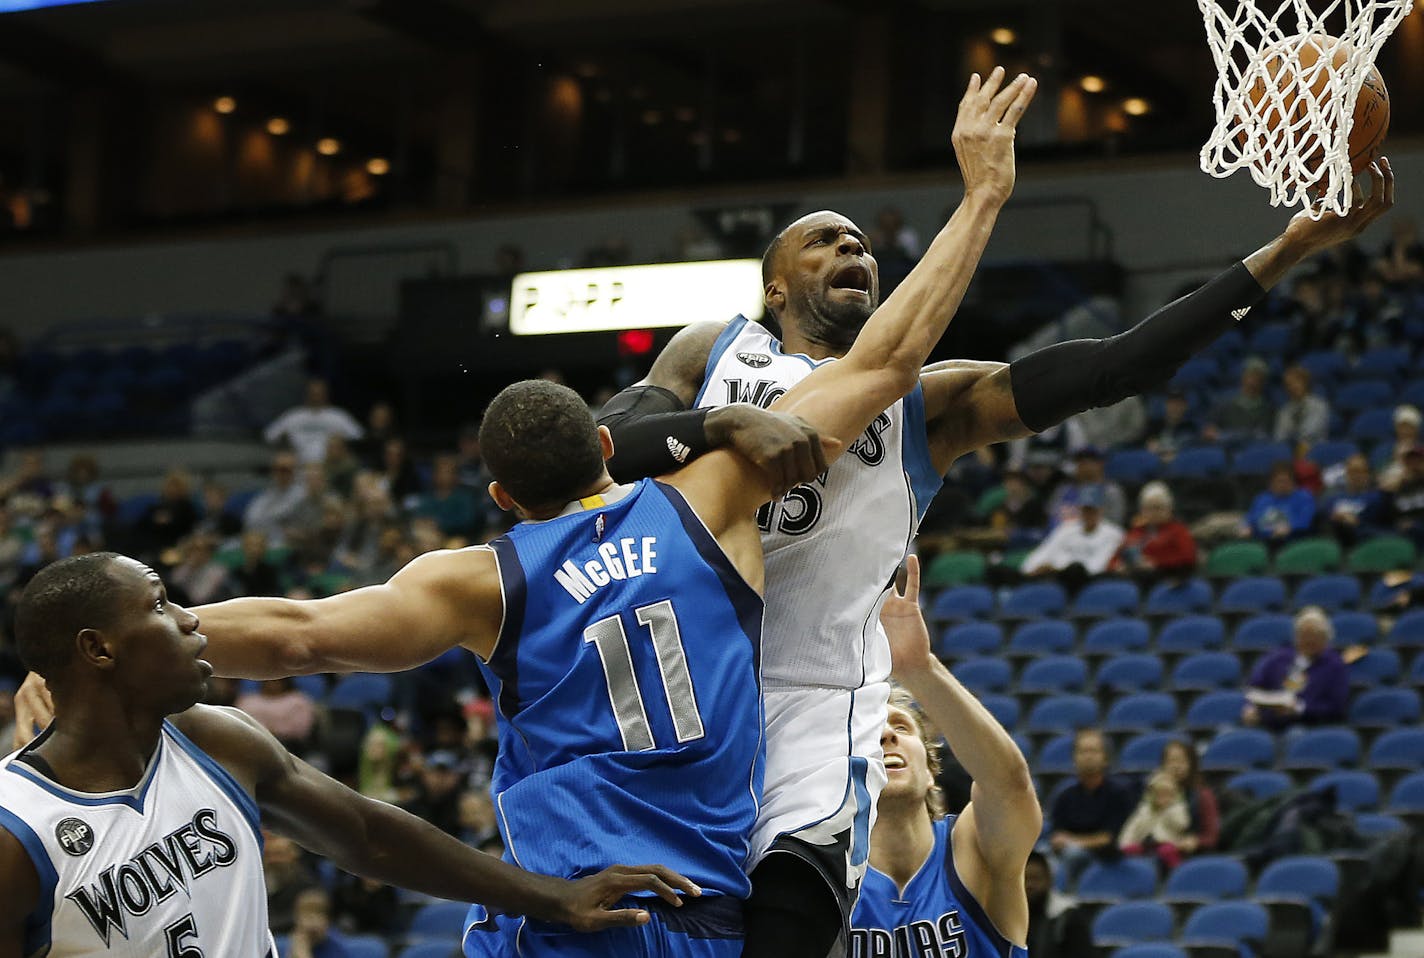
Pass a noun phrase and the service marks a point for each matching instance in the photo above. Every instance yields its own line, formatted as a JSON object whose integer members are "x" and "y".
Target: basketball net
{"x": 1291, "y": 127}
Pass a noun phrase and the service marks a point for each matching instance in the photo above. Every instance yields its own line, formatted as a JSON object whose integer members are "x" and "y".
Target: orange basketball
{"x": 1291, "y": 68}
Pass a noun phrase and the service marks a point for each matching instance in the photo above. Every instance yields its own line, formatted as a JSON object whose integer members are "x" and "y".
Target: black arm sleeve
{"x": 1064, "y": 379}
{"x": 652, "y": 433}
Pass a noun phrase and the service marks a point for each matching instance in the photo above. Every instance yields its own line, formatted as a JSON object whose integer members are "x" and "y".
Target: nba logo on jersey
{"x": 74, "y": 836}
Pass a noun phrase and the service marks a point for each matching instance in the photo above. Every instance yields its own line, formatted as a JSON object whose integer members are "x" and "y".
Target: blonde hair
{"x": 929, "y": 737}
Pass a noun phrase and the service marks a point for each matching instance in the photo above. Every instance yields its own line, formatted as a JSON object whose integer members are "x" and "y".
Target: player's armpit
{"x": 19, "y": 893}
{"x": 682, "y": 364}
{"x": 969, "y": 404}
{"x": 438, "y": 601}
{"x": 990, "y": 851}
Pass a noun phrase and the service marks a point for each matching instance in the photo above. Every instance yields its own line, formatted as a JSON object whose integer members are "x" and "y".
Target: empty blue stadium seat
{"x": 1332, "y": 452}
{"x": 1413, "y": 393}
{"x": 1211, "y": 710}
{"x": 1132, "y": 922}
{"x": 1117, "y": 635}
{"x": 132, "y": 509}
{"x": 360, "y": 690}
{"x": 1389, "y": 363}
{"x": 1385, "y": 708}
{"x": 1253, "y": 594}
{"x": 1263, "y": 633}
{"x": 1362, "y": 394}
{"x": 1034, "y": 600}
{"x": 962, "y": 602}
{"x": 429, "y": 949}
{"x": 1408, "y": 795}
{"x": 366, "y": 946}
{"x": 1408, "y": 630}
{"x": 1330, "y": 592}
{"x": 1191, "y": 633}
{"x": 1375, "y": 824}
{"x": 1137, "y": 672}
{"x": 1150, "y": 950}
{"x": 1170, "y": 598}
{"x": 1143, "y": 711}
{"x": 1207, "y": 670}
{"x": 1107, "y": 597}
{"x": 1056, "y": 756}
{"x": 1062, "y": 713}
{"x": 984, "y": 674}
{"x": 1005, "y": 708}
{"x": 1125, "y": 879}
{"x": 970, "y": 638}
{"x": 1143, "y": 753}
{"x": 1373, "y": 425}
{"x": 441, "y": 919}
{"x": 1197, "y": 462}
{"x": 1416, "y": 671}
{"x": 1321, "y": 748}
{"x": 1133, "y": 467}
{"x": 1271, "y": 340}
{"x": 1048, "y": 637}
{"x": 1378, "y": 666}
{"x": 1257, "y": 458}
{"x": 1054, "y": 673}
{"x": 1239, "y": 749}
{"x": 1234, "y": 922}
{"x": 1260, "y": 783}
{"x": 1353, "y": 790}
{"x": 1325, "y": 365}
{"x": 1398, "y": 748}
{"x": 1199, "y": 372}
{"x": 1206, "y": 878}
{"x": 1355, "y": 628}
{"x": 1306, "y": 877}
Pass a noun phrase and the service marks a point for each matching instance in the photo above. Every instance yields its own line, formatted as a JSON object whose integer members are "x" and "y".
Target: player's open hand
{"x": 34, "y": 709}
{"x": 783, "y": 446}
{"x": 984, "y": 133}
{"x": 905, "y": 625}
{"x": 1315, "y": 236}
{"x": 589, "y": 905}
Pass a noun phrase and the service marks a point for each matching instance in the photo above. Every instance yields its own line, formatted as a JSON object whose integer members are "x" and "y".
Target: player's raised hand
{"x": 589, "y": 905}
{"x": 34, "y": 709}
{"x": 783, "y": 446}
{"x": 983, "y": 135}
{"x": 905, "y": 625}
{"x": 1314, "y": 236}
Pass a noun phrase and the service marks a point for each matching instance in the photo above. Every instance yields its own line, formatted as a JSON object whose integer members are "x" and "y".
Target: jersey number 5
{"x": 182, "y": 938}
{"x": 611, "y": 640}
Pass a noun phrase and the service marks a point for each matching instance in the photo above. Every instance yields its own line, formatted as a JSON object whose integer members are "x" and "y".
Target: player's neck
{"x": 902, "y": 841}
{"x": 97, "y": 745}
{"x": 793, "y": 340}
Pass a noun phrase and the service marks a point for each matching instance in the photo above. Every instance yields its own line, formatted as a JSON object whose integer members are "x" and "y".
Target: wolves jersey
{"x": 935, "y": 916}
{"x": 831, "y": 545}
{"x": 171, "y": 868}
{"x": 626, "y": 680}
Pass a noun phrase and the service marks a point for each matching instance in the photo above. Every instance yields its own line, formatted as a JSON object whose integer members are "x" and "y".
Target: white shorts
{"x": 824, "y": 770}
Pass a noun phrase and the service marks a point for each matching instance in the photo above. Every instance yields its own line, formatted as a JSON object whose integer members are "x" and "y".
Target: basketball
{"x": 1298, "y": 75}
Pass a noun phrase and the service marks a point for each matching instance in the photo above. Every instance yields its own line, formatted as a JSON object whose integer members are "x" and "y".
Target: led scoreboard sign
{"x": 634, "y": 297}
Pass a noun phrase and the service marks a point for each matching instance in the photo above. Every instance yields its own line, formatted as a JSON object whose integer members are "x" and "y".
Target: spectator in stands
{"x": 287, "y": 876}
{"x": 273, "y": 507}
{"x": 341, "y": 466}
{"x": 1124, "y": 423}
{"x": 1315, "y": 307}
{"x": 380, "y": 427}
{"x": 169, "y": 519}
{"x": 255, "y": 575}
{"x": 437, "y": 795}
{"x": 897, "y": 247}
{"x": 1402, "y": 260}
{"x": 30, "y": 478}
{"x": 1406, "y": 437}
{"x": 398, "y": 473}
{"x": 477, "y": 820}
{"x": 1057, "y": 926}
{"x": 312, "y": 936}
{"x": 1088, "y": 476}
{"x": 284, "y": 710}
{"x": 308, "y": 517}
{"x": 1358, "y": 510}
{"x": 1158, "y": 545}
{"x": 1407, "y": 502}
{"x": 1177, "y": 428}
{"x": 1159, "y": 824}
{"x": 1282, "y": 511}
{"x": 369, "y": 514}
{"x": 1308, "y": 475}
{"x": 367, "y": 907}
{"x": 199, "y": 577}
{"x": 217, "y": 520}
{"x": 1306, "y": 683}
{"x": 1248, "y": 414}
{"x": 1379, "y": 314}
{"x": 81, "y": 483}
{"x": 44, "y": 549}
{"x": 12, "y": 547}
{"x": 1088, "y": 815}
{"x": 379, "y": 763}
{"x": 452, "y": 506}
{"x": 308, "y": 427}
{"x": 1079, "y": 549}
{"x": 1305, "y": 418}
{"x": 1180, "y": 760}
{"x": 1018, "y": 515}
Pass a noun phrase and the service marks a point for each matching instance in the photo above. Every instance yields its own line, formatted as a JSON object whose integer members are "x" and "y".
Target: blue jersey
{"x": 627, "y": 683}
{"x": 936, "y": 917}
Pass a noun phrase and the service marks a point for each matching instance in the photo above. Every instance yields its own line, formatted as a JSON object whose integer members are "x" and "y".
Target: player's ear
{"x": 94, "y": 648}
{"x": 605, "y": 440}
{"x": 500, "y": 497}
{"x": 774, "y": 296}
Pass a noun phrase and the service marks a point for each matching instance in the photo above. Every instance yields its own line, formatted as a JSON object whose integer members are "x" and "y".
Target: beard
{"x": 834, "y": 324}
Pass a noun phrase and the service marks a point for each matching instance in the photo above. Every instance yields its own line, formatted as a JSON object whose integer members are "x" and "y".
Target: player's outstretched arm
{"x": 970, "y": 405}
{"x": 384, "y": 843}
{"x": 438, "y": 601}
{"x": 1003, "y": 817}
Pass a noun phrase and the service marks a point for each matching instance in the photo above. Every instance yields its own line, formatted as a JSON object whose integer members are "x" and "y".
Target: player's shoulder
{"x": 682, "y": 364}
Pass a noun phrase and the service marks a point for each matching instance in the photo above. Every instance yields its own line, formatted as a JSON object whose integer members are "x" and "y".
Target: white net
{"x": 1288, "y": 75}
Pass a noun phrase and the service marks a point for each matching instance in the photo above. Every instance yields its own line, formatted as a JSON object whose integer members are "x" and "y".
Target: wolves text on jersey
{"x": 625, "y": 559}
{"x": 943, "y": 938}
{"x": 155, "y": 874}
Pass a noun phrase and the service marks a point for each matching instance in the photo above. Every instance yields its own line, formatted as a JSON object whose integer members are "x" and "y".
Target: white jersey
{"x": 171, "y": 868}
{"x": 832, "y": 546}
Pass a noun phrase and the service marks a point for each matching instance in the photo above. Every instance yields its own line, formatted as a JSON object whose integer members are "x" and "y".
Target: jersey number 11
{"x": 611, "y": 640}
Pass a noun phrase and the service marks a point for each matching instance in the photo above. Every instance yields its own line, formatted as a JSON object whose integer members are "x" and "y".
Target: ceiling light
{"x": 1136, "y": 106}
{"x": 378, "y": 166}
{"x": 328, "y": 146}
{"x": 1092, "y": 84}
{"x": 225, "y": 105}
{"x": 1003, "y": 36}
{"x": 279, "y": 126}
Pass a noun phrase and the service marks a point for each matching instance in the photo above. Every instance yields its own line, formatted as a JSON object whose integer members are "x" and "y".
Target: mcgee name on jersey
{"x": 627, "y": 558}
{"x": 155, "y": 874}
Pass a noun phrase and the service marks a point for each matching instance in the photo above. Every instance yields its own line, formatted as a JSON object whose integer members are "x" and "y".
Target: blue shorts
{"x": 708, "y": 927}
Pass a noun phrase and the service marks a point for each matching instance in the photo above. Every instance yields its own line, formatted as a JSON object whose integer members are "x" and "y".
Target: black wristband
{"x": 651, "y": 435}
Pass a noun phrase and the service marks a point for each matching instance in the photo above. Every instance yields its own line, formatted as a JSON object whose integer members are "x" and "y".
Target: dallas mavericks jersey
{"x": 936, "y": 915}
{"x": 629, "y": 704}
{"x": 171, "y": 868}
{"x": 831, "y": 545}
